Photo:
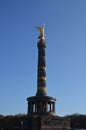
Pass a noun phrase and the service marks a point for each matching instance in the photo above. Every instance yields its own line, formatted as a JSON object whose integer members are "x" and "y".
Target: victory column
{"x": 41, "y": 108}
{"x": 41, "y": 103}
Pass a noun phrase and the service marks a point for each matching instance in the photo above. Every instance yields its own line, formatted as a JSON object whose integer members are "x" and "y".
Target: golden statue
{"x": 41, "y": 29}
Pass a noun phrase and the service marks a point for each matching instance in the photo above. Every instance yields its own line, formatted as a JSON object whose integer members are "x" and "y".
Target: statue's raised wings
{"x": 41, "y": 29}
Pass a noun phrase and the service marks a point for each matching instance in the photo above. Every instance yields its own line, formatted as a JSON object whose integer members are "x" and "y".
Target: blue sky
{"x": 65, "y": 35}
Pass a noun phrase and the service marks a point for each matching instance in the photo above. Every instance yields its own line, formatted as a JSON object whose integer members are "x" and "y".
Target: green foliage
{"x": 1, "y": 116}
{"x": 77, "y": 121}
{"x": 8, "y": 122}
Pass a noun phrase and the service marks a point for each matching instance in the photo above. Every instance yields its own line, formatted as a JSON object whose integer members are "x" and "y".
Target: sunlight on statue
{"x": 41, "y": 29}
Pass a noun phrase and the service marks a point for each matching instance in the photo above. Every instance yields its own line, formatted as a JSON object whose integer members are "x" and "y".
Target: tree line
{"x": 77, "y": 121}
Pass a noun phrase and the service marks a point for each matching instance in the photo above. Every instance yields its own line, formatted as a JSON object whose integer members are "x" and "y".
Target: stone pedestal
{"x": 47, "y": 122}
